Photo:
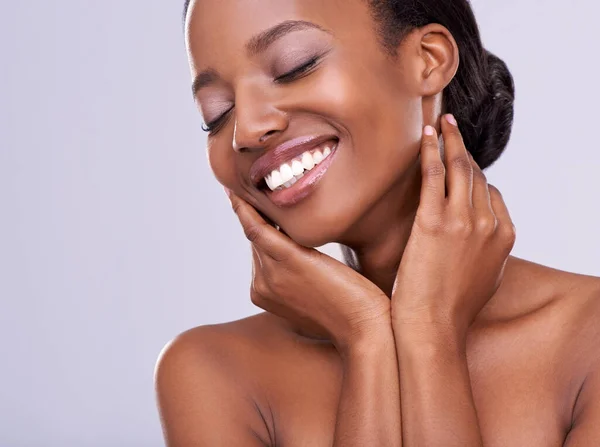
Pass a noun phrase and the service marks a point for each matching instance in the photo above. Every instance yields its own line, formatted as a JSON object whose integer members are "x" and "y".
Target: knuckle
{"x": 462, "y": 164}
{"x": 461, "y": 226}
{"x": 430, "y": 223}
{"x": 253, "y": 232}
{"x": 256, "y": 298}
{"x": 260, "y": 287}
{"x": 479, "y": 175}
{"x": 486, "y": 225}
{"x": 509, "y": 233}
{"x": 434, "y": 170}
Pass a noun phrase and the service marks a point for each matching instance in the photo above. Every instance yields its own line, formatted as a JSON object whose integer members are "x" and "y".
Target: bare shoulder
{"x": 228, "y": 342}
{"x": 234, "y": 346}
{"x": 563, "y": 303}
{"x": 529, "y": 287}
{"x": 580, "y": 307}
{"x": 577, "y": 300}
{"x": 581, "y": 302}
{"x": 206, "y": 388}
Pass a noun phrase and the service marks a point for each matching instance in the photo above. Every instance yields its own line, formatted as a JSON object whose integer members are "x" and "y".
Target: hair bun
{"x": 493, "y": 119}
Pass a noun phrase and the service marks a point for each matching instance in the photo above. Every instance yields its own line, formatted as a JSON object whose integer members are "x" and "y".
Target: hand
{"x": 309, "y": 288}
{"x": 455, "y": 256}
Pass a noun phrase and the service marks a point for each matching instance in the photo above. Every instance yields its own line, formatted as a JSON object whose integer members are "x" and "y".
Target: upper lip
{"x": 286, "y": 151}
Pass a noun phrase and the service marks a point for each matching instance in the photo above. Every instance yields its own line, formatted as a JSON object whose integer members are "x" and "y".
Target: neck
{"x": 375, "y": 244}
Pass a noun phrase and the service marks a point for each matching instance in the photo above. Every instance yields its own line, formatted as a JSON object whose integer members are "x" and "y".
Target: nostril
{"x": 266, "y": 135}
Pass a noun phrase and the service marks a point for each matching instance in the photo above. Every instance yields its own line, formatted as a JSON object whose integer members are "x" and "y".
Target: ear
{"x": 439, "y": 58}
{"x": 431, "y": 56}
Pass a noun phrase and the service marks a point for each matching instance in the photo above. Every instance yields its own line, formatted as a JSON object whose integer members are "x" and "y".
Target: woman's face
{"x": 358, "y": 102}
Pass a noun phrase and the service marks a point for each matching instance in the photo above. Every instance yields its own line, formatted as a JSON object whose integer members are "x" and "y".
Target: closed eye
{"x": 293, "y": 75}
{"x": 298, "y": 72}
{"x": 215, "y": 124}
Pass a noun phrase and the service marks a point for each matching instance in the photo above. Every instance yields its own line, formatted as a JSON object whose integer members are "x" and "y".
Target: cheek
{"x": 380, "y": 115}
{"x": 222, "y": 164}
{"x": 343, "y": 95}
{"x": 372, "y": 108}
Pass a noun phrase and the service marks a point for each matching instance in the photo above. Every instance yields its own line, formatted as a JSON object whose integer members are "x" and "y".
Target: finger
{"x": 266, "y": 218}
{"x": 259, "y": 232}
{"x": 481, "y": 194}
{"x": 459, "y": 172}
{"x": 505, "y": 222}
{"x": 433, "y": 172}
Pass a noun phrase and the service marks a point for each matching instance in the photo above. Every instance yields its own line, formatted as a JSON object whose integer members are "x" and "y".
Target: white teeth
{"x": 286, "y": 172}
{"x": 290, "y": 173}
{"x": 276, "y": 180}
{"x": 318, "y": 157}
{"x": 307, "y": 161}
{"x": 297, "y": 167}
{"x": 291, "y": 182}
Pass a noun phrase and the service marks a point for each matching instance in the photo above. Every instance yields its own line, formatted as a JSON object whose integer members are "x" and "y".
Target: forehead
{"x": 218, "y": 30}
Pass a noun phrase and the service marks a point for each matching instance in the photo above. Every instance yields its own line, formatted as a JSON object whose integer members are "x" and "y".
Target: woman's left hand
{"x": 316, "y": 292}
{"x": 455, "y": 257}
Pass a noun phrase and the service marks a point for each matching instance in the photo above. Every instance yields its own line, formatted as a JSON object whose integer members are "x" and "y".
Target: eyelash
{"x": 293, "y": 75}
{"x": 214, "y": 125}
{"x": 296, "y": 73}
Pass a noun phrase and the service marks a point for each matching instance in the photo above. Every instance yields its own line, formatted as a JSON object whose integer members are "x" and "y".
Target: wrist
{"x": 433, "y": 335}
{"x": 368, "y": 341}
{"x": 429, "y": 321}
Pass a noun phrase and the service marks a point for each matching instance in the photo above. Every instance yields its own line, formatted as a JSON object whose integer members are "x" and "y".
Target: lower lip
{"x": 303, "y": 187}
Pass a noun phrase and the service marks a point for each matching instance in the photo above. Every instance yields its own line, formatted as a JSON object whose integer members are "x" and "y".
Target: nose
{"x": 257, "y": 120}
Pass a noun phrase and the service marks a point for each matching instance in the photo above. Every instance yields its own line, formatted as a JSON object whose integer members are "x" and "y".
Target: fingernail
{"x": 450, "y": 118}
{"x": 428, "y": 130}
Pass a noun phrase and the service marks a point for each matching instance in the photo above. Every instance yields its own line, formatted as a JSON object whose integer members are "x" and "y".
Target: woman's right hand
{"x": 315, "y": 291}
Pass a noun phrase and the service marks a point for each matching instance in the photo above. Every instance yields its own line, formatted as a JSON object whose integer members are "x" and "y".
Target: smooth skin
{"x": 431, "y": 333}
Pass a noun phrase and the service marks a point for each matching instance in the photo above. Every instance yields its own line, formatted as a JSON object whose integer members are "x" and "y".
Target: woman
{"x": 354, "y": 122}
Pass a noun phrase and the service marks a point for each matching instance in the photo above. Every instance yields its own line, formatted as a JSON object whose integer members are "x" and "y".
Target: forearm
{"x": 437, "y": 400}
{"x": 369, "y": 407}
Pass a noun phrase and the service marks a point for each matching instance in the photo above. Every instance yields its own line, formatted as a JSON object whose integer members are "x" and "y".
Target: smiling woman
{"x": 369, "y": 124}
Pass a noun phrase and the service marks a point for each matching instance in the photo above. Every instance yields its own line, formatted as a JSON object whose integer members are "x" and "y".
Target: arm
{"x": 369, "y": 408}
{"x": 585, "y": 431}
{"x": 452, "y": 265}
{"x": 200, "y": 402}
{"x": 437, "y": 401}
{"x": 327, "y": 298}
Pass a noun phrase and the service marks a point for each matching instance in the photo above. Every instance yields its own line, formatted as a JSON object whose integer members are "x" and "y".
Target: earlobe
{"x": 440, "y": 58}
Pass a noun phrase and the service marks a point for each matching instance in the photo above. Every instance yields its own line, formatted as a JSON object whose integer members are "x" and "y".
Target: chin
{"x": 312, "y": 240}
{"x": 319, "y": 230}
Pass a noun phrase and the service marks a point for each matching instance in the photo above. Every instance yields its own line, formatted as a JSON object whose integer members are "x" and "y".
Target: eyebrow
{"x": 257, "y": 44}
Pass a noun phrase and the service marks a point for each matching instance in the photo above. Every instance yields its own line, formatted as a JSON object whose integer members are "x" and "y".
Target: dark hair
{"x": 481, "y": 95}
{"x": 186, "y": 5}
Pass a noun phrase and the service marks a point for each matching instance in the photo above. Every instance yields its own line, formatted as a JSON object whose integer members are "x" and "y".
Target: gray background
{"x": 114, "y": 236}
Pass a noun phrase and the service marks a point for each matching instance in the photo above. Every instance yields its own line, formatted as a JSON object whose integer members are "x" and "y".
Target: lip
{"x": 284, "y": 153}
{"x": 303, "y": 187}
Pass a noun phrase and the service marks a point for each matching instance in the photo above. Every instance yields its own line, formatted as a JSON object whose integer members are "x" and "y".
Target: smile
{"x": 296, "y": 179}
{"x": 289, "y": 173}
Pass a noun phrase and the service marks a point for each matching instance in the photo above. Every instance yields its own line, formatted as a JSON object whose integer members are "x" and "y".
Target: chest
{"x": 523, "y": 395}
